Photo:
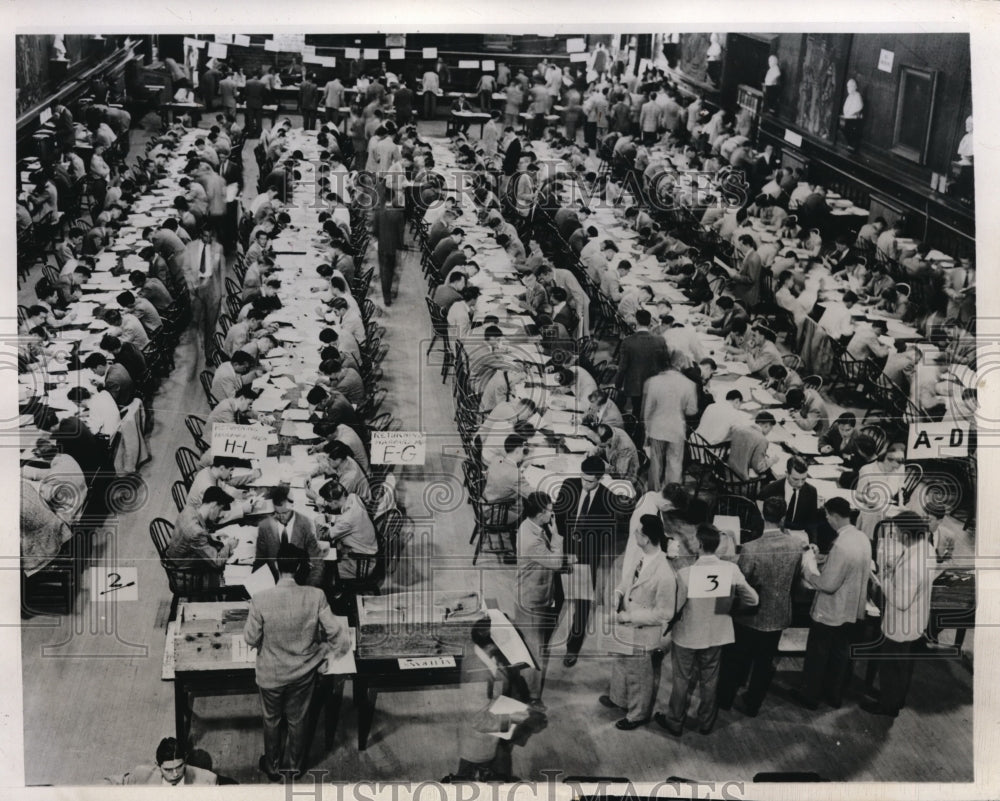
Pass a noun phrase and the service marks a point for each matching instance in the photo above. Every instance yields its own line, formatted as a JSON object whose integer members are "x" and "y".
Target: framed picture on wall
{"x": 914, "y": 113}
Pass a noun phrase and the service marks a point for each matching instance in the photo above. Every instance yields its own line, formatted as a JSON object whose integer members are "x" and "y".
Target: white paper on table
{"x": 829, "y": 489}
{"x": 276, "y": 352}
{"x": 243, "y": 653}
{"x": 506, "y": 706}
{"x": 737, "y": 368}
{"x": 778, "y": 468}
{"x": 577, "y": 444}
{"x": 508, "y": 640}
{"x": 764, "y": 396}
{"x": 269, "y": 402}
{"x": 290, "y": 428}
{"x": 297, "y": 415}
{"x": 830, "y": 459}
{"x": 730, "y": 523}
{"x": 343, "y": 665}
{"x": 282, "y": 382}
{"x": 825, "y": 471}
{"x": 578, "y": 584}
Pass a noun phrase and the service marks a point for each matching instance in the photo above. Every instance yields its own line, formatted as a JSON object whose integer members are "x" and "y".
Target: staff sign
{"x": 398, "y": 447}
{"x": 938, "y": 440}
{"x": 710, "y": 581}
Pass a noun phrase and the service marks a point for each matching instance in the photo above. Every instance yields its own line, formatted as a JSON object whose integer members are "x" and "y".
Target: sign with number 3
{"x": 710, "y": 581}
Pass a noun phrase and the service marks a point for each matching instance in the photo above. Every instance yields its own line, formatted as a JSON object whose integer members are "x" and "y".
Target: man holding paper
{"x": 286, "y": 526}
{"x": 294, "y": 630}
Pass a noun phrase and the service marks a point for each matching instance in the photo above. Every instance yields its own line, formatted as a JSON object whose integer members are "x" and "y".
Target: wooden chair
{"x": 179, "y": 492}
{"x": 813, "y": 382}
{"x": 187, "y": 460}
{"x": 702, "y": 457}
{"x": 496, "y": 522}
{"x": 751, "y": 520}
{"x": 206, "y": 384}
{"x": 731, "y": 483}
{"x": 371, "y": 570}
{"x": 914, "y": 475}
{"x": 877, "y": 436}
{"x": 197, "y": 428}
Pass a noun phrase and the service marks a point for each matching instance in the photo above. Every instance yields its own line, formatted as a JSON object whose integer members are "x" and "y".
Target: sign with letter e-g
{"x": 938, "y": 440}
{"x": 710, "y": 581}
{"x": 398, "y": 447}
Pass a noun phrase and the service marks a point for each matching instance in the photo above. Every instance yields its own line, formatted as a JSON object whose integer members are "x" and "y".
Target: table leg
{"x": 180, "y": 709}
{"x": 364, "y": 699}
{"x": 332, "y": 715}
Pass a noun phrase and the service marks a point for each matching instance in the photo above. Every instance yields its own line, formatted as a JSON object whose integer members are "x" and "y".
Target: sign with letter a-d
{"x": 398, "y": 447}
{"x": 938, "y": 440}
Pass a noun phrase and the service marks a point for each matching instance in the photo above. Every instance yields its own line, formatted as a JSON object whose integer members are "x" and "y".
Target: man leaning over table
{"x": 192, "y": 548}
{"x": 294, "y": 631}
{"x": 748, "y": 448}
{"x": 348, "y": 526}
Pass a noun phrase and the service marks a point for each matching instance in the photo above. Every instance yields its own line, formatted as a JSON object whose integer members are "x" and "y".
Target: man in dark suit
{"x": 254, "y": 94}
{"x": 801, "y": 500}
{"x": 643, "y": 354}
{"x": 387, "y": 225}
{"x": 286, "y": 526}
{"x": 585, "y": 513}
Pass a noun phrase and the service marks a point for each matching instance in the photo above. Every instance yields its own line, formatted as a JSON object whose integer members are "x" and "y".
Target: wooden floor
{"x": 94, "y": 702}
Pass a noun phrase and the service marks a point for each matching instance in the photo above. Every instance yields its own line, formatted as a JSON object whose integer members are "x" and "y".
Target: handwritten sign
{"x": 793, "y": 138}
{"x": 243, "y": 442}
{"x": 468, "y": 64}
{"x": 241, "y": 39}
{"x": 397, "y": 447}
{"x": 710, "y": 581}
{"x": 352, "y": 52}
{"x": 114, "y": 584}
{"x": 195, "y": 43}
{"x": 371, "y": 53}
{"x": 217, "y": 50}
{"x": 576, "y": 45}
{"x": 271, "y": 46}
{"x": 430, "y": 52}
{"x": 418, "y": 662}
{"x": 290, "y": 42}
{"x": 489, "y": 66}
{"x": 885, "y": 59}
{"x": 578, "y": 56}
{"x": 397, "y": 54}
{"x": 224, "y": 38}
{"x": 938, "y": 440}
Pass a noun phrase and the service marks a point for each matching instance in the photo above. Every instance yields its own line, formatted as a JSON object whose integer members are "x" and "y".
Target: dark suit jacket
{"x": 642, "y": 355}
{"x": 255, "y": 93}
{"x": 302, "y": 535}
{"x": 807, "y": 508}
{"x": 594, "y": 534}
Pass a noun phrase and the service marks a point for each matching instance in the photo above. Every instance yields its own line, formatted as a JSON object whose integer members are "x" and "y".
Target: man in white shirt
{"x": 102, "y": 416}
{"x": 836, "y": 320}
{"x": 350, "y": 323}
{"x": 719, "y": 418}
{"x": 460, "y": 313}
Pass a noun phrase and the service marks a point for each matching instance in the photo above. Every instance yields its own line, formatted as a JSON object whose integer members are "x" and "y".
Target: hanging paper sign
{"x": 217, "y": 51}
{"x": 224, "y": 38}
{"x": 271, "y": 46}
{"x": 430, "y": 52}
{"x": 397, "y": 54}
{"x": 489, "y": 66}
{"x": 575, "y": 45}
{"x": 468, "y": 65}
{"x": 371, "y": 53}
{"x": 578, "y": 56}
{"x": 327, "y": 61}
{"x": 352, "y": 52}
{"x": 241, "y": 39}
{"x": 198, "y": 44}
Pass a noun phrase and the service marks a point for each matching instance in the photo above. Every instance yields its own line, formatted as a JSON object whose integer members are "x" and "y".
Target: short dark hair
{"x": 652, "y": 527}
{"x": 734, "y": 394}
{"x": 774, "y": 509}
{"x": 95, "y": 360}
{"x": 110, "y": 343}
{"x": 846, "y": 419}
{"x": 709, "y": 537}
{"x": 170, "y": 749}
{"x": 242, "y": 358}
{"x": 535, "y": 503}
{"x": 838, "y": 506}
{"x": 643, "y": 317}
{"x": 796, "y": 464}
{"x": 764, "y": 418}
{"x": 289, "y": 558}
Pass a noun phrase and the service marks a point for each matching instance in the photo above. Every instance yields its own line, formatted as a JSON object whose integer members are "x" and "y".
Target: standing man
{"x": 841, "y": 593}
{"x": 642, "y": 354}
{"x": 585, "y": 513}
{"x": 293, "y": 629}
{"x": 203, "y": 266}
{"x": 800, "y": 497}
{"x": 308, "y": 100}
{"x": 387, "y": 225}
{"x": 333, "y": 99}
{"x": 670, "y": 398}
{"x": 283, "y": 527}
{"x": 431, "y": 85}
{"x": 254, "y": 94}
{"x": 402, "y": 101}
{"x": 771, "y": 566}
{"x": 705, "y": 593}
{"x": 228, "y": 89}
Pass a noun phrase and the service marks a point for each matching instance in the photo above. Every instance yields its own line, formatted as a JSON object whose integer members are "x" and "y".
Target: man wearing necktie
{"x": 800, "y": 497}
{"x": 586, "y": 512}
{"x": 286, "y": 526}
{"x": 644, "y": 606}
{"x": 204, "y": 265}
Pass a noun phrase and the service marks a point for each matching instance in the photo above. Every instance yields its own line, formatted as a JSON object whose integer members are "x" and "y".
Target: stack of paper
{"x": 297, "y": 430}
